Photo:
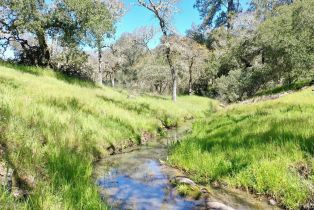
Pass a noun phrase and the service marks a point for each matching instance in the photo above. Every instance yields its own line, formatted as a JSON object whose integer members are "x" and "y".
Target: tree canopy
{"x": 73, "y": 22}
{"x": 216, "y": 13}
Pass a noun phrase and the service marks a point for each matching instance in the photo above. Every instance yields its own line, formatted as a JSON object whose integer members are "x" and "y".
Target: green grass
{"x": 265, "y": 148}
{"x": 189, "y": 191}
{"x": 289, "y": 87}
{"x": 53, "y": 127}
{"x": 7, "y": 201}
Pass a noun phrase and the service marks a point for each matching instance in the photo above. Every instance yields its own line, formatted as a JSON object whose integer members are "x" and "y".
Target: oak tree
{"x": 164, "y": 11}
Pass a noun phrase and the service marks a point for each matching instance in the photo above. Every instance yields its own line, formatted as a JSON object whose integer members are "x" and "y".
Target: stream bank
{"x": 140, "y": 179}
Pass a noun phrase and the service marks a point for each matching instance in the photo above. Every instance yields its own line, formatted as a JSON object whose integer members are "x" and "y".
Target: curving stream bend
{"x": 138, "y": 180}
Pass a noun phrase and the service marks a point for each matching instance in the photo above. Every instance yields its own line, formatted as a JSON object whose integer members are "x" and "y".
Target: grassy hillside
{"x": 54, "y": 127}
{"x": 266, "y": 148}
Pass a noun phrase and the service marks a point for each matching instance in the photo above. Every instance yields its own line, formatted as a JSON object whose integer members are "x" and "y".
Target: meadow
{"x": 54, "y": 127}
{"x": 265, "y": 148}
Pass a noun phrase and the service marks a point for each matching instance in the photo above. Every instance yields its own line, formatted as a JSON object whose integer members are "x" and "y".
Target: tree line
{"x": 233, "y": 54}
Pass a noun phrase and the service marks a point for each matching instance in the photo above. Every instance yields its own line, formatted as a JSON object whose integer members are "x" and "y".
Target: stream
{"x": 139, "y": 180}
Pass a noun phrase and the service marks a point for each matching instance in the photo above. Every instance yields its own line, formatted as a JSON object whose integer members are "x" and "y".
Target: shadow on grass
{"x": 22, "y": 68}
{"x": 239, "y": 143}
{"x": 140, "y": 108}
{"x": 11, "y": 83}
{"x": 295, "y": 86}
{"x": 75, "y": 80}
{"x": 159, "y": 97}
{"x": 275, "y": 135}
{"x": 38, "y": 71}
{"x": 72, "y": 104}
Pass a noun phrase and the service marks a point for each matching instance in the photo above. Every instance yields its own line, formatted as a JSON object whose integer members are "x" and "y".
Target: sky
{"x": 137, "y": 16}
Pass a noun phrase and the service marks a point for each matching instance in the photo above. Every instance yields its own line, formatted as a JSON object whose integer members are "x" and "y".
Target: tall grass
{"x": 54, "y": 127}
{"x": 266, "y": 148}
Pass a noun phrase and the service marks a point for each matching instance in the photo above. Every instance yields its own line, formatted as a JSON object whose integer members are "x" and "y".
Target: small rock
{"x": 19, "y": 193}
{"x": 204, "y": 191}
{"x": 111, "y": 149}
{"x": 184, "y": 180}
{"x": 309, "y": 205}
{"x": 272, "y": 202}
{"x": 222, "y": 105}
{"x": 146, "y": 136}
{"x": 218, "y": 206}
{"x": 216, "y": 184}
{"x": 162, "y": 162}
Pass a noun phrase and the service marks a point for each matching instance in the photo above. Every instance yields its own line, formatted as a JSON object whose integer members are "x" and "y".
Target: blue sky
{"x": 139, "y": 16}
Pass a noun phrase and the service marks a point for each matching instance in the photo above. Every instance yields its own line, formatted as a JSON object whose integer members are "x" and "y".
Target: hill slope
{"x": 53, "y": 128}
{"x": 265, "y": 147}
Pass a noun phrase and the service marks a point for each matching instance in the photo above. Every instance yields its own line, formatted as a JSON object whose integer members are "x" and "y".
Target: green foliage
{"x": 53, "y": 130}
{"x": 287, "y": 40}
{"x": 70, "y": 21}
{"x": 265, "y": 147}
{"x": 92, "y": 18}
{"x": 189, "y": 191}
{"x": 277, "y": 51}
{"x": 217, "y": 12}
{"x": 264, "y": 8}
{"x": 229, "y": 87}
{"x": 100, "y": 21}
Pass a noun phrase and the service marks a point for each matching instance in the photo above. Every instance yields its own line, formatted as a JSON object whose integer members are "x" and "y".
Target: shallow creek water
{"x": 139, "y": 180}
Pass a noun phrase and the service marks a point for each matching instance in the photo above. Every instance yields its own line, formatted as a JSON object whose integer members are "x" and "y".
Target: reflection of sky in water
{"x": 136, "y": 180}
{"x": 147, "y": 187}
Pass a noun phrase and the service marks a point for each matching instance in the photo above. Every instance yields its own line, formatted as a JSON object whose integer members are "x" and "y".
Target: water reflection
{"x": 137, "y": 180}
{"x": 146, "y": 187}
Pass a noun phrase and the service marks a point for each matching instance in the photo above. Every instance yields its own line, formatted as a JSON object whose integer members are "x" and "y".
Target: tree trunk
{"x": 43, "y": 57}
{"x": 168, "y": 52}
{"x": 112, "y": 80}
{"x": 173, "y": 75}
{"x": 156, "y": 87}
{"x": 160, "y": 87}
{"x": 100, "y": 71}
{"x": 230, "y": 11}
{"x": 190, "y": 79}
{"x": 174, "y": 87}
{"x": 190, "y": 85}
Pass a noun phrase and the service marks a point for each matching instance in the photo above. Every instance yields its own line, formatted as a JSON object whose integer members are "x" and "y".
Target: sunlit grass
{"x": 266, "y": 148}
{"x": 53, "y": 127}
